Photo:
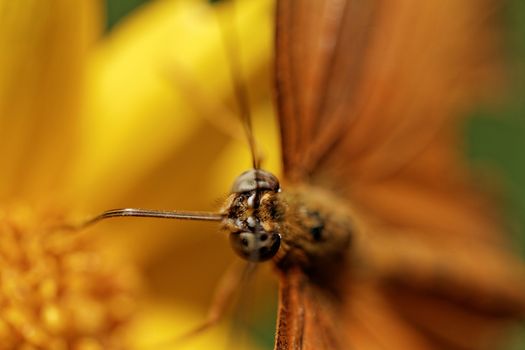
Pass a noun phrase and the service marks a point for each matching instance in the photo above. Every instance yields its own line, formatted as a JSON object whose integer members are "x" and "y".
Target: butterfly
{"x": 378, "y": 233}
{"x": 370, "y": 94}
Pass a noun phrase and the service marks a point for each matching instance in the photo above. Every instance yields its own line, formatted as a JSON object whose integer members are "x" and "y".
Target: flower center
{"x": 59, "y": 289}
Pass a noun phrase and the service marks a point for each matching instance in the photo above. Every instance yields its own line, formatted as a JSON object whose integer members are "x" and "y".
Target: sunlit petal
{"x": 155, "y": 85}
{"x": 43, "y": 45}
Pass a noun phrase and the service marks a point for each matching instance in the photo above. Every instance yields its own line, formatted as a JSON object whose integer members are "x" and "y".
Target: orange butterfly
{"x": 370, "y": 95}
{"x": 379, "y": 236}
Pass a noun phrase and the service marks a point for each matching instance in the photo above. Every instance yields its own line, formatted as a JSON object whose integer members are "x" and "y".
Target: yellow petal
{"x": 43, "y": 46}
{"x": 168, "y": 142}
{"x": 160, "y": 119}
{"x": 155, "y": 84}
{"x": 162, "y": 324}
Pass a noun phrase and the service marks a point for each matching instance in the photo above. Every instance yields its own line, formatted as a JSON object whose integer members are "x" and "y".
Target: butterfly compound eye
{"x": 255, "y": 179}
{"x": 257, "y": 247}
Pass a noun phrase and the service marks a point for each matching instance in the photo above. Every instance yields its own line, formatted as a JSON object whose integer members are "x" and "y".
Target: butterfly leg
{"x": 223, "y": 297}
{"x": 228, "y": 285}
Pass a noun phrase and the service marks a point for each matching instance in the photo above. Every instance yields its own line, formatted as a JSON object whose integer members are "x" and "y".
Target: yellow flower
{"x": 57, "y": 290}
{"x": 143, "y": 117}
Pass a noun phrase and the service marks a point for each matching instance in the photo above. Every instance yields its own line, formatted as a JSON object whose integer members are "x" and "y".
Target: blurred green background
{"x": 118, "y": 9}
{"x": 494, "y": 138}
{"x": 497, "y": 138}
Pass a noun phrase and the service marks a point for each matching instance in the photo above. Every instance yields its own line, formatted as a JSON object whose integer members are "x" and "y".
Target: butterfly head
{"x": 252, "y": 214}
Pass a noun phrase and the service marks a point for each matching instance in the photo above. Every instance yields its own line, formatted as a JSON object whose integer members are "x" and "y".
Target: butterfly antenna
{"x": 145, "y": 213}
{"x": 229, "y": 38}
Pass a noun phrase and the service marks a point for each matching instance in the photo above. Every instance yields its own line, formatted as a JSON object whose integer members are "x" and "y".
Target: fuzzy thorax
{"x": 304, "y": 226}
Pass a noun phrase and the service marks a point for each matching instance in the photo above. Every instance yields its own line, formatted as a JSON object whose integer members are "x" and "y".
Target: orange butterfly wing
{"x": 304, "y": 311}
{"x": 370, "y": 97}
